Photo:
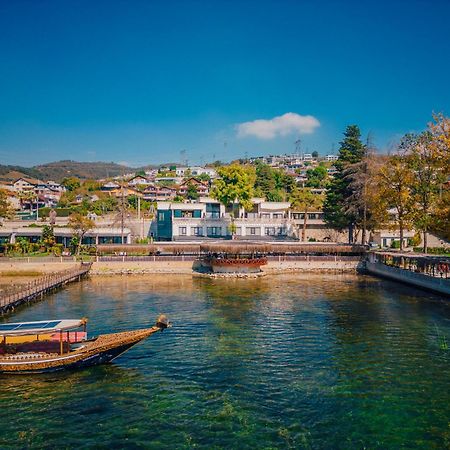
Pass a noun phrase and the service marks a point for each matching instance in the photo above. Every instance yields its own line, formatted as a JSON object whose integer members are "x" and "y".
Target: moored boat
{"x": 49, "y": 346}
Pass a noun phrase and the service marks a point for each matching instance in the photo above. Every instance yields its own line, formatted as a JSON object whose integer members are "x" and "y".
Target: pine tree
{"x": 337, "y": 211}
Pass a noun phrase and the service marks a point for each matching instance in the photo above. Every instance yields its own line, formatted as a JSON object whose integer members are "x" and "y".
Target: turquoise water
{"x": 288, "y": 361}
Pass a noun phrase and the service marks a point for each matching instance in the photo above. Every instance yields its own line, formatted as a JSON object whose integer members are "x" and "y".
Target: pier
{"x": 36, "y": 289}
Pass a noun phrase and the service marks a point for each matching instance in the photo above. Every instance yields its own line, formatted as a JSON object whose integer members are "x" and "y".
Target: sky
{"x": 139, "y": 82}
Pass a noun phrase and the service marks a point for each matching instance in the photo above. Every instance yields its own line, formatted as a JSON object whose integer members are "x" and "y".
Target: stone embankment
{"x": 179, "y": 265}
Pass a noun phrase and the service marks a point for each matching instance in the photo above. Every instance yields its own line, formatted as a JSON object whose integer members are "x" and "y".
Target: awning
{"x": 42, "y": 327}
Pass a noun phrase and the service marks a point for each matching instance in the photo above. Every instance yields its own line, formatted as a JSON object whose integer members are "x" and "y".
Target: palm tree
{"x": 29, "y": 197}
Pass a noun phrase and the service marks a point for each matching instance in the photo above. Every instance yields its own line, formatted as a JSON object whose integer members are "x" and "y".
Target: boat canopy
{"x": 42, "y": 327}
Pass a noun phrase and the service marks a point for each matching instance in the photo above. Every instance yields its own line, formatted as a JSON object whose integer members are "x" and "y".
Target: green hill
{"x": 61, "y": 169}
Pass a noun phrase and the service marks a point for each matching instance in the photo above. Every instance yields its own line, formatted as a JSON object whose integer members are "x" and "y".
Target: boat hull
{"x": 102, "y": 350}
{"x": 100, "y": 358}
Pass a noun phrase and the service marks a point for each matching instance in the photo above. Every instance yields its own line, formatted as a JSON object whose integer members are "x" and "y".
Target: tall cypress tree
{"x": 335, "y": 208}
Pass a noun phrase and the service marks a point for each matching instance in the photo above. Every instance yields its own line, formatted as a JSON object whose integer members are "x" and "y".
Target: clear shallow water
{"x": 289, "y": 361}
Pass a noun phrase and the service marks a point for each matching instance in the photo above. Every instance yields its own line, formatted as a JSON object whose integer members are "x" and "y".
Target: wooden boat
{"x": 31, "y": 347}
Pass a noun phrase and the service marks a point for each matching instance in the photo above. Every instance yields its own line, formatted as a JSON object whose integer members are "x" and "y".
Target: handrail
{"x": 41, "y": 284}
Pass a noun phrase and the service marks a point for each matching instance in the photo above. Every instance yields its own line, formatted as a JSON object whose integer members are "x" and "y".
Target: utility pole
{"x": 298, "y": 144}
{"x": 122, "y": 212}
{"x": 139, "y": 207}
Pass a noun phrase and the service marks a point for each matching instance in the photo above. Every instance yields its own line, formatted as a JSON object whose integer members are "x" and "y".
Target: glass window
{"x": 182, "y": 231}
{"x": 214, "y": 231}
{"x": 197, "y": 231}
{"x": 270, "y": 231}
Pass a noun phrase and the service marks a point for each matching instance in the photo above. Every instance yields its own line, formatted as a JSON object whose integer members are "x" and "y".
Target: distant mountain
{"x": 58, "y": 170}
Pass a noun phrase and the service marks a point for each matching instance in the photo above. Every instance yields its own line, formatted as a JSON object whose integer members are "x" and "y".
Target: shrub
{"x": 395, "y": 244}
{"x": 434, "y": 250}
{"x": 57, "y": 249}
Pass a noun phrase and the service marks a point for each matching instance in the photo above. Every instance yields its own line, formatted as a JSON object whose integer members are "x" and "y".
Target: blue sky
{"x": 139, "y": 81}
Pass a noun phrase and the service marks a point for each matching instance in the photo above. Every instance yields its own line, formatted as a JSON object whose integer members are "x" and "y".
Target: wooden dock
{"x": 36, "y": 289}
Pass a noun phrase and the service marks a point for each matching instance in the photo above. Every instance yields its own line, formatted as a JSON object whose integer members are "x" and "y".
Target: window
{"x": 270, "y": 231}
{"x": 182, "y": 231}
{"x": 214, "y": 231}
{"x": 197, "y": 231}
{"x": 277, "y": 215}
{"x": 265, "y": 216}
{"x": 253, "y": 231}
{"x": 161, "y": 216}
{"x": 312, "y": 216}
{"x": 281, "y": 231}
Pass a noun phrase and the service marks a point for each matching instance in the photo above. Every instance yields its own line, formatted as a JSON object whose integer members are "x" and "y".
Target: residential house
{"x": 155, "y": 193}
{"x": 202, "y": 187}
{"x": 110, "y": 186}
{"x": 26, "y": 184}
{"x": 139, "y": 180}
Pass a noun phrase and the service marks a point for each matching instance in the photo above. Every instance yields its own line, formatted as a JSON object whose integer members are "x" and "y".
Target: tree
{"x": 191, "y": 191}
{"x": 395, "y": 180}
{"x": 336, "y": 213}
{"x": 235, "y": 185}
{"x": 273, "y": 184}
{"x": 440, "y": 141}
{"x": 304, "y": 200}
{"x": 23, "y": 244}
{"x": 104, "y": 204}
{"x": 315, "y": 154}
{"x": 361, "y": 179}
{"x": 275, "y": 195}
{"x": 71, "y": 183}
{"x": 317, "y": 177}
{"x": 5, "y": 207}
{"x": 204, "y": 177}
{"x": 80, "y": 226}
{"x": 48, "y": 236}
{"x": 425, "y": 160}
{"x": 29, "y": 197}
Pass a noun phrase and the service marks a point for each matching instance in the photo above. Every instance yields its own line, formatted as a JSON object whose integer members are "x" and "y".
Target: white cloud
{"x": 288, "y": 123}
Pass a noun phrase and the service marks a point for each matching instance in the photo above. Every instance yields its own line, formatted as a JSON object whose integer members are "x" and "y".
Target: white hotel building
{"x": 210, "y": 219}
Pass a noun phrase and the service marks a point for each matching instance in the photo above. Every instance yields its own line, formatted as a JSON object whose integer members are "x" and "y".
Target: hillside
{"x": 60, "y": 169}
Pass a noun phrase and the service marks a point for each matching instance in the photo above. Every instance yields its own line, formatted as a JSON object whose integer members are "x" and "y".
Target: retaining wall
{"x": 182, "y": 265}
{"x": 439, "y": 285}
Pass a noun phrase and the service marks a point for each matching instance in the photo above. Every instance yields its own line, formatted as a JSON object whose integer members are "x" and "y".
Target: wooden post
{"x": 60, "y": 342}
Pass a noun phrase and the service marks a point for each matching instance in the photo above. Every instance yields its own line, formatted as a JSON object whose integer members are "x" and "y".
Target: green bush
{"x": 434, "y": 250}
{"x": 57, "y": 249}
{"x": 60, "y": 212}
{"x": 395, "y": 244}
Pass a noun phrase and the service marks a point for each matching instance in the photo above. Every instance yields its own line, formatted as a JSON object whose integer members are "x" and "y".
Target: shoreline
{"x": 110, "y": 268}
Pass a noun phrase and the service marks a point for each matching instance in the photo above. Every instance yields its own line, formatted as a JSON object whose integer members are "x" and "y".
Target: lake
{"x": 284, "y": 361}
